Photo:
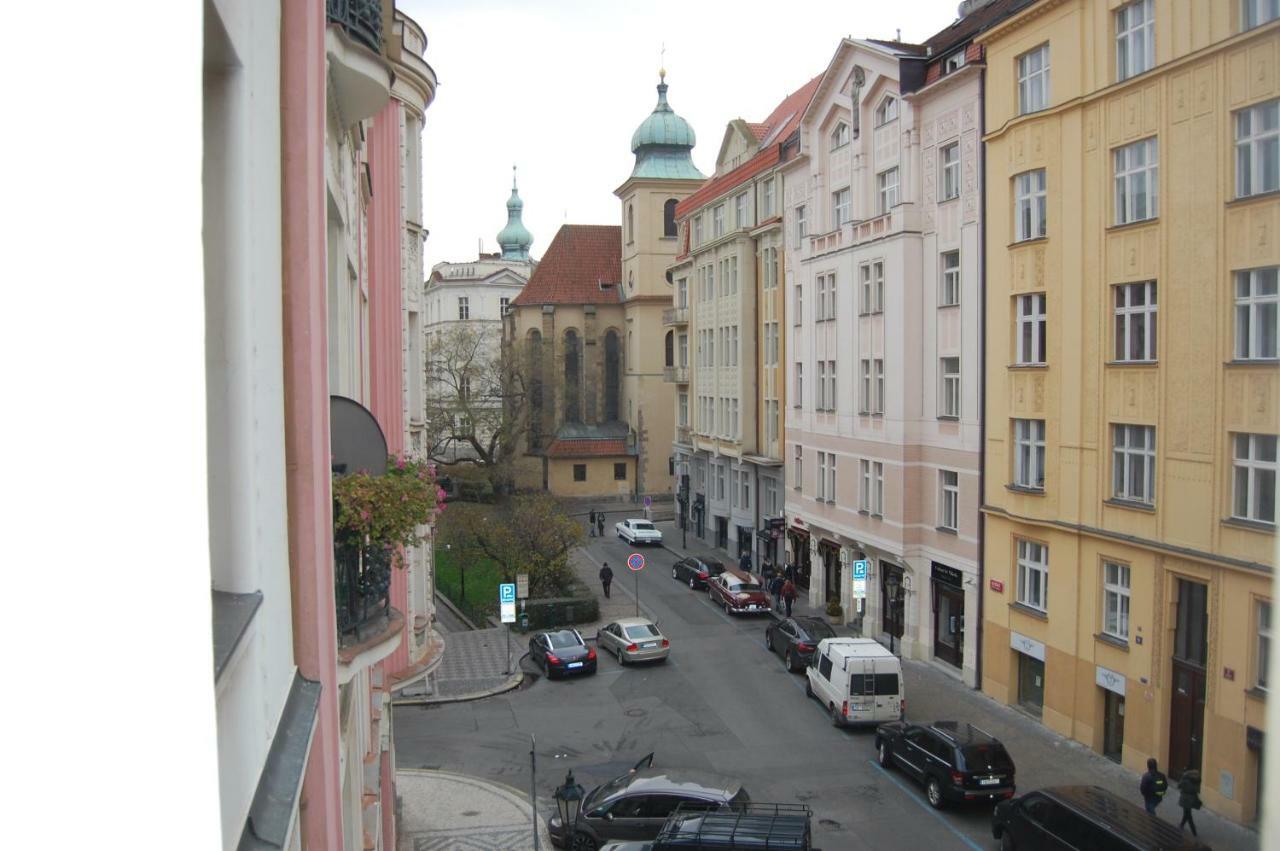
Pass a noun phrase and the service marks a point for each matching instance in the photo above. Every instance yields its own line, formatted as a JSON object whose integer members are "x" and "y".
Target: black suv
{"x": 954, "y": 762}
{"x": 750, "y": 827}
{"x": 1090, "y": 817}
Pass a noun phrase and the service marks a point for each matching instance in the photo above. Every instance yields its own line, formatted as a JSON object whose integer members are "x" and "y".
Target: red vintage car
{"x": 738, "y": 592}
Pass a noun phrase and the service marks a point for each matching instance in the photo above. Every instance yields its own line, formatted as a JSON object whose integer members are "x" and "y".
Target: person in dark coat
{"x": 591, "y": 522}
{"x": 606, "y": 578}
{"x": 600, "y": 523}
{"x": 1153, "y": 786}
{"x": 775, "y": 588}
{"x": 744, "y": 562}
{"x": 1189, "y": 798}
{"x": 789, "y": 594}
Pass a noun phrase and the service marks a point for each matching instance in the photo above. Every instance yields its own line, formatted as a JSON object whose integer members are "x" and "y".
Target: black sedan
{"x": 562, "y": 652}
{"x": 696, "y": 570}
{"x": 795, "y": 639}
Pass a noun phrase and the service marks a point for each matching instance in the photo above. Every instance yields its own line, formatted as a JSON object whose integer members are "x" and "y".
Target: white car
{"x": 637, "y": 531}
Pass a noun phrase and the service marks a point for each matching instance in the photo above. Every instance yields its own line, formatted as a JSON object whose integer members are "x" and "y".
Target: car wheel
{"x": 882, "y": 755}
{"x": 933, "y": 791}
{"x": 808, "y": 687}
{"x": 546, "y": 669}
{"x": 583, "y": 842}
{"x": 768, "y": 639}
{"x": 622, "y": 657}
{"x": 693, "y": 584}
{"x": 791, "y": 664}
{"x": 1006, "y": 841}
{"x": 836, "y": 720}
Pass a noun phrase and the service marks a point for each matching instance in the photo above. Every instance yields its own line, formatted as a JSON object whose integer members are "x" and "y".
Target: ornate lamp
{"x": 568, "y": 798}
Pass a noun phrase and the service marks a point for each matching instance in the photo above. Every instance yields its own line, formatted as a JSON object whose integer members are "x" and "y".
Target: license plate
{"x": 989, "y": 781}
{"x": 649, "y": 645}
{"x": 575, "y": 664}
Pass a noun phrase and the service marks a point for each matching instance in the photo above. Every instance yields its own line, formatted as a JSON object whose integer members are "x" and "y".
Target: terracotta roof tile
{"x": 587, "y": 448}
{"x": 578, "y": 261}
{"x": 758, "y": 130}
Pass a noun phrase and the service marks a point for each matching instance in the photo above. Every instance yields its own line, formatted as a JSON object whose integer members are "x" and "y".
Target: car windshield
{"x": 563, "y": 639}
{"x": 642, "y": 526}
{"x": 815, "y": 628}
{"x": 986, "y": 758}
{"x": 743, "y": 587}
{"x": 644, "y": 630}
{"x": 713, "y": 567}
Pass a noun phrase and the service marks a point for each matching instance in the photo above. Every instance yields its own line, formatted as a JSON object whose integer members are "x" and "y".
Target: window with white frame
{"x": 799, "y": 305}
{"x": 464, "y": 307}
{"x": 1115, "y": 600}
{"x": 871, "y": 287}
{"x": 820, "y": 391}
{"x": 734, "y": 424}
{"x": 771, "y": 420}
{"x": 1264, "y": 644}
{"x": 949, "y": 166}
{"x": 1029, "y": 205}
{"x": 740, "y": 219}
{"x": 697, "y": 230}
{"x": 877, "y": 487}
{"x": 717, "y": 220}
{"x": 1255, "y": 13}
{"x": 949, "y": 401}
{"x": 1258, "y": 149}
{"x": 831, "y": 385}
{"x": 1033, "y": 575}
{"x": 502, "y": 306}
{"x": 1028, "y": 453}
{"x": 711, "y": 281}
{"x": 820, "y": 492}
{"x": 745, "y": 502}
{"x": 1033, "y": 80}
{"x": 1257, "y": 313}
{"x": 878, "y": 366}
{"x": 733, "y": 275}
{"x": 949, "y": 294}
{"x": 720, "y": 489}
{"x": 954, "y": 62}
{"x": 886, "y": 191}
{"x": 839, "y": 208}
{"x": 864, "y": 485}
{"x": 769, "y": 493}
{"x": 864, "y": 289}
{"x": 1137, "y": 183}
{"x": 1133, "y": 461}
{"x": 802, "y": 224}
{"x": 770, "y": 268}
{"x": 864, "y": 403}
{"x": 831, "y": 477}
{"x": 1032, "y": 329}
{"x": 682, "y": 345}
{"x": 949, "y": 499}
{"x": 766, "y": 199}
{"x": 799, "y": 384}
{"x": 684, "y": 409}
{"x": 887, "y": 110}
{"x": 1254, "y": 472}
{"x": 1135, "y": 39}
{"x": 840, "y": 136}
{"x": 797, "y": 468}
{"x": 1136, "y": 322}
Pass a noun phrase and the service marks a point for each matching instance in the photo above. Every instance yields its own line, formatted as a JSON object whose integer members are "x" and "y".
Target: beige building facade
{"x": 1132, "y": 390}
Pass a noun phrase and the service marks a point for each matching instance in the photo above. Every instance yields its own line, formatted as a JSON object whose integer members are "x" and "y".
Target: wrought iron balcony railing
{"x": 362, "y": 19}
{"x": 362, "y": 589}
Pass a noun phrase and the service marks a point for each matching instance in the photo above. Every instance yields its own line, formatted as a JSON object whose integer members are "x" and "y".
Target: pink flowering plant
{"x": 385, "y": 512}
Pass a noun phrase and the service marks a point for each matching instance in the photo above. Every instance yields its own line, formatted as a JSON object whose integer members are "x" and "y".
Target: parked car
{"x": 796, "y": 639}
{"x": 738, "y": 592}
{"x": 954, "y": 762}
{"x": 638, "y": 531}
{"x": 696, "y": 570}
{"x": 1084, "y": 817}
{"x": 636, "y": 805}
{"x": 633, "y": 640}
{"x": 562, "y": 652}
{"x": 752, "y": 827}
{"x": 857, "y": 680}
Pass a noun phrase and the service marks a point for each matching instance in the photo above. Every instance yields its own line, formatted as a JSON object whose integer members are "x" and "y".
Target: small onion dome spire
{"x": 515, "y": 238}
{"x": 663, "y": 141}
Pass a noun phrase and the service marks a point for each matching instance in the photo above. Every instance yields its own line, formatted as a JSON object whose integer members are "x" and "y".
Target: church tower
{"x": 515, "y": 239}
{"x": 664, "y": 174}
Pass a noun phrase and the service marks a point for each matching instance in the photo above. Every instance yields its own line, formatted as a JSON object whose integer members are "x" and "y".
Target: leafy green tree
{"x": 529, "y": 533}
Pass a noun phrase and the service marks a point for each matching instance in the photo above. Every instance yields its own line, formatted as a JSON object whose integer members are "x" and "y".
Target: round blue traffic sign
{"x": 635, "y": 561}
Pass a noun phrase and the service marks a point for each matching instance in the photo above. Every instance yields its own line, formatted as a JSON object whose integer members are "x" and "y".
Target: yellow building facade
{"x": 1132, "y": 396}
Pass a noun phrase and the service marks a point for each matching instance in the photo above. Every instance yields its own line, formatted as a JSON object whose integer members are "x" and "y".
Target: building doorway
{"x": 1190, "y": 657}
{"x": 722, "y": 532}
{"x": 891, "y": 599}
{"x": 1112, "y": 725}
{"x": 744, "y": 541}
{"x": 799, "y": 557}
{"x": 1031, "y": 684}
{"x": 948, "y": 614}
{"x": 829, "y": 552}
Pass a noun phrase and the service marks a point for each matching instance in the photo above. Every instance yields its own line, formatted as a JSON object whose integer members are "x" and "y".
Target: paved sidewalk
{"x": 476, "y": 662}
{"x": 444, "y": 811}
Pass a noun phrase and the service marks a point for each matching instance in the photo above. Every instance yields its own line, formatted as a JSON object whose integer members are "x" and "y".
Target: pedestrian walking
{"x": 775, "y": 588}
{"x": 606, "y": 578}
{"x": 790, "y": 571}
{"x": 591, "y": 522}
{"x": 744, "y": 561}
{"x": 1189, "y": 798}
{"x": 788, "y": 594}
{"x": 1153, "y": 786}
{"x": 600, "y": 523}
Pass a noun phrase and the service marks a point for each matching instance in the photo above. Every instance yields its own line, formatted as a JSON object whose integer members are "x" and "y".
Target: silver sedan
{"x": 633, "y": 640}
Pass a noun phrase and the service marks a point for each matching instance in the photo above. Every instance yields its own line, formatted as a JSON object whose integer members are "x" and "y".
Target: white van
{"x": 857, "y": 680}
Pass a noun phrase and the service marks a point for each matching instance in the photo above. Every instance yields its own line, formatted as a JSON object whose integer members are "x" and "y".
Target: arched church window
{"x": 631, "y": 224}
{"x": 534, "y": 354}
{"x": 572, "y": 377}
{"x": 612, "y": 375}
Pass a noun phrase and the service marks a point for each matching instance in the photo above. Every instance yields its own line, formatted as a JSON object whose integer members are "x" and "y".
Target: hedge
{"x": 582, "y": 607}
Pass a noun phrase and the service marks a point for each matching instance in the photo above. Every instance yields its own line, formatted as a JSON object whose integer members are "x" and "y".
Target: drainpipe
{"x": 982, "y": 368}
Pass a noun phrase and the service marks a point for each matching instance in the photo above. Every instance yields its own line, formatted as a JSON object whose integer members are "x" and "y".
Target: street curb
{"x": 510, "y": 685}
{"x": 449, "y": 604}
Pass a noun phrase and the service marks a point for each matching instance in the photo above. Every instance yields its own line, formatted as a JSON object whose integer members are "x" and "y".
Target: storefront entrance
{"x": 722, "y": 532}
{"x": 1112, "y": 725}
{"x": 948, "y": 614}
{"x": 1031, "y": 684}
{"x": 744, "y": 542}
{"x": 829, "y": 552}
{"x": 891, "y": 600}
{"x": 799, "y": 539}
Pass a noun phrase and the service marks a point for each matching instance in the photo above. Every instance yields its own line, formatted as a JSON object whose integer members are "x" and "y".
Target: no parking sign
{"x": 635, "y": 561}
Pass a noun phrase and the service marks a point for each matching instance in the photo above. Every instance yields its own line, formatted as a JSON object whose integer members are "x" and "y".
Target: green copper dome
{"x": 515, "y": 238}
{"x": 662, "y": 143}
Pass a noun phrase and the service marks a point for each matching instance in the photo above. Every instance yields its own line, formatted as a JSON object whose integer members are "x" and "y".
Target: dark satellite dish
{"x": 355, "y": 438}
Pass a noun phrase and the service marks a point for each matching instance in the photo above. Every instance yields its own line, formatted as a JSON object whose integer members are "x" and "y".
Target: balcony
{"x": 675, "y": 316}
{"x": 369, "y": 629}
{"x": 675, "y": 374}
{"x": 360, "y": 76}
{"x": 683, "y": 436}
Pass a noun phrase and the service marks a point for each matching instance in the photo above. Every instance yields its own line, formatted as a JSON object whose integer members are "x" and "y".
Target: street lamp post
{"x": 568, "y": 799}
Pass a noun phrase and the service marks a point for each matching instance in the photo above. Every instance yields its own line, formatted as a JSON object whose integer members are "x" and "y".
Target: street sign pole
{"x": 533, "y": 787}
{"x": 637, "y": 593}
{"x": 635, "y": 562}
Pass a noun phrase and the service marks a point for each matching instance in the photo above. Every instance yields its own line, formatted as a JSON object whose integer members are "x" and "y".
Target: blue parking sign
{"x": 507, "y": 592}
{"x": 860, "y": 568}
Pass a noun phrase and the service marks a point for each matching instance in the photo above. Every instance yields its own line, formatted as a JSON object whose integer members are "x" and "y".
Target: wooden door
{"x": 1186, "y": 718}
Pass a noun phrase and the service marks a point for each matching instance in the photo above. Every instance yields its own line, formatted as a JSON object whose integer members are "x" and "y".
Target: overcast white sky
{"x": 558, "y": 86}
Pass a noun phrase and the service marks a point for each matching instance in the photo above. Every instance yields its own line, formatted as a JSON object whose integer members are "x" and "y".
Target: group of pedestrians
{"x": 595, "y": 524}
{"x": 1155, "y": 784}
{"x": 783, "y": 589}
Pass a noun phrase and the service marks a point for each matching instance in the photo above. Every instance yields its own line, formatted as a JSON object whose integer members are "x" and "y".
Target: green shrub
{"x": 834, "y": 610}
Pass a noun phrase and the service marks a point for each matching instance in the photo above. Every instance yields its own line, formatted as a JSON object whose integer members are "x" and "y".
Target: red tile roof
{"x": 587, "y": 448}
{"x": 758, "y": 130}
{"x": 780, "y": 124}
{"x": 578, "y": 261}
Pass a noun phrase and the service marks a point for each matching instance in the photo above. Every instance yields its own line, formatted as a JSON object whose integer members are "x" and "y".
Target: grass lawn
{"x": 482, "y": 580}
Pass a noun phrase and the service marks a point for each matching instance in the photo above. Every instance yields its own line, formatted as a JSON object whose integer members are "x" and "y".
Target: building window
{"x": 950, "y": 401}
{"x": 766, "y": 199}
{"x": 740, "y": 211}
{"x": 579, "y": 472}
{"x": 1033, "y": 80}
{"x": 954, "y": 62}
{"x": 697, "y": 230}
{"x": 770, "y": 260}
{"x": 1135, "y": 39}
{"x": 464, "y": 307}
{"x": 878, "y": 364}
{"x": 826, "y": 304}
{"x": 1028, "y": 454}
{"x": 1133, "y": 461}
{"x": 1257, "y": 314}
{"x": 886, "y": 191}
{"x": 1031, "y": 329}
{"x": 1137, "y": 184}
{"x": 502, "y": 305}
{"x": 746, "y": 490}
{"x": 949, "y": 165}
{"x": 820, "y": 492}
{"x": 887, "y": 111}
{"x": 821, "y": 389}
{"x": 1029, "y": 212}
{"x": 802, "y": 225}
{"x": 464, "y": 387}
{"x": 871, "y": 491}
{"x": 831, "y": 477}
{"x": 840, "y": 136}
{"x": 950, "y": 294}
{"x": 864, "y": 406}
{"x": 717, "y": 221}
{"x": 1258, "y": 149}
{"x": 720, "y": 490}
{"x": 1033, "y": 575}
{"x": 839, "y": 208}
{"x": 799, "y": 304}
{"x": 631, "y": 223}
{"x": 684, "y": 409}
{"x": 797, "y": 469}
{"x": 872, "y": 287}
{"x": 1115, "y": 600}
{"x": 949, "y": 501}
{"x": 799, "y": 384}
{"x": 1254, "y": 470}
{"x": 1136, "y": 322}
{"x": 1255, "y": 13}
{"x": 669, "y": 217}
{"x": 620, "y": 472}
{"x": 1264, "y": 643}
